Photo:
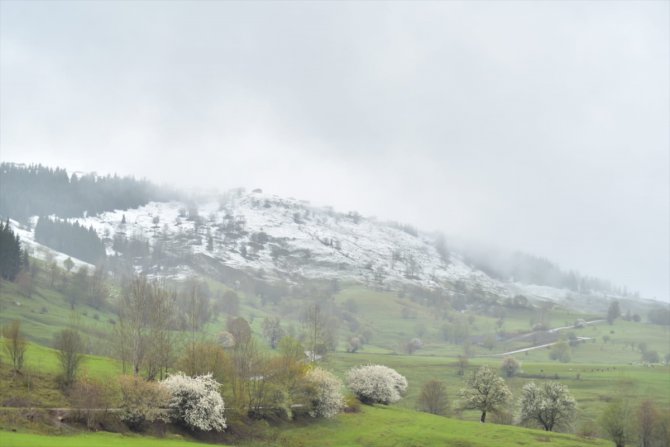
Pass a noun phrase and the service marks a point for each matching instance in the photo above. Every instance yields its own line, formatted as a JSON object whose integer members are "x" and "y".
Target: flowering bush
{"x": 549, "y": 405}
{"x": 376, "y": 384}
{"x": 195, "y": 402}
{"x": 324, "y": 392}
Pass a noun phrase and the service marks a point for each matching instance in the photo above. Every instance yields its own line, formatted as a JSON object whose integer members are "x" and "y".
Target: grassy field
{"x": 607, "y": 366}
{"x": 373, "y": 426}
{"x": 44, "y": 360}
{"x": 47, "y": 311}
{"x": 593, "y": 385}
{"x": 10, "y": 439}
{"x": 392, "y": 426}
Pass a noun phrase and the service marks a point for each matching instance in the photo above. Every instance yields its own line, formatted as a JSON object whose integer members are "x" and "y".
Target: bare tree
{"x": 320, "y": 330}
{"x": 615, "y": 421}
{"x": 15, "y": 344}
{"x": 272, "y": 331}
{"x": 134, "y": 311}
{"x": 160, "y": 337}
{"x": 647, "y": 419}
{"x": 433, "y": 398}
{"x": 146, "y": 312}
{"x": 70, "y": 346}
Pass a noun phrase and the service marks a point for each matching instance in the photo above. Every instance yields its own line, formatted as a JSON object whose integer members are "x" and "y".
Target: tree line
{"x": 70, "y": 238}
{"x": 12, "y": 258}
{"x": 36, "y": 190}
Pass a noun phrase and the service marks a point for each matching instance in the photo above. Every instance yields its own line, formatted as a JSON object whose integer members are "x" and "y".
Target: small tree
{"x": 70, "y": 346}
{"x": 433, "y": 398}
{"x": 561, "y": 352}
{"x": 510, "y": 366}
{"x": 615, "y": 421}
{"x": 462, "y": 364}
{"x": 90, "y": 399}
{"x": 195, "y": 402}
{"x": 272, "y": 331}
{"x": 141, "y": 401}
{"x": 68, "y": 264}
{"x": 613, "y": 312}
{"x": 15, "y": 344}
{"x": 647, "y": 421}
{"x": 486, "y": 392}
{"x": 550, "y": 405}
{"x": 376, "y": 384}
{"x": 324, "y": 393}
{"x": 413, "y": 345}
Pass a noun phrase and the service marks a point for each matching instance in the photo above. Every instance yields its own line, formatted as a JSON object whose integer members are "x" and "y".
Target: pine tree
{"x": 10, "y": 252}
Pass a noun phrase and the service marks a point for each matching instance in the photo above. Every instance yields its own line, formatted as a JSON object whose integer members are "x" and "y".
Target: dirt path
{"x": 545, "y": 345}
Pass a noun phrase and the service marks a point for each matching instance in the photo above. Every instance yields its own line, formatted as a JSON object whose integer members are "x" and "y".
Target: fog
{"x": 536, "y": 126}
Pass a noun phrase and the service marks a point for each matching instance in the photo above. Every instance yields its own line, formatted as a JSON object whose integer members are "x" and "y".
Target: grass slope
{"x": 101, "y": 439}
{"x": 392, "y": 426}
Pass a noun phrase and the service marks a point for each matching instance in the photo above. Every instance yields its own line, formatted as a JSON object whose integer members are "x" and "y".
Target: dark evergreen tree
{"x": 36, "y": 190}
{"x": 11, "y": 256}
{"x": 71, "y": 239}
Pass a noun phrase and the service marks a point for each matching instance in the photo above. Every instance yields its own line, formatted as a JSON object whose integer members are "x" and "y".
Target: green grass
{"x": 47, "y": 311}
{"x": 593, "y": 385}
{"x": 101, "y": 439}
{"x": 392, "y": 426}
{"x": 44, "y": 360}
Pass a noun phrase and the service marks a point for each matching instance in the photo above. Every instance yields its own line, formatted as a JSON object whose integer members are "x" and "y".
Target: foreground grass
{"x": 374, "y": 426}
{"x": 593, "y": 385}
{"x": 44, "y": 360}
{"x": 100, "y": 439}
{"x": 393, "y": 426}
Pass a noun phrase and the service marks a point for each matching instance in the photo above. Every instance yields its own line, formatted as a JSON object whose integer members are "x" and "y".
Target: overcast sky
{"x": 540, "y": 126}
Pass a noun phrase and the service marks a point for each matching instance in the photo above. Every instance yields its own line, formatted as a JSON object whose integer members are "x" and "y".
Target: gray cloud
{"x": 539, "y": 126}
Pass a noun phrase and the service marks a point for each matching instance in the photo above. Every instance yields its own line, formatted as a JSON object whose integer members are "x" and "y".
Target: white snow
{"x": 314, "y": 243}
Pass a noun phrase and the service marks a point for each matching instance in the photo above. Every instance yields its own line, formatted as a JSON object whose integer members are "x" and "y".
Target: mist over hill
{"x": 135, "y": 226}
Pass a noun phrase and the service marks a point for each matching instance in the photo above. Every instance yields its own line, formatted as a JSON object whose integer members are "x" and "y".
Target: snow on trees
{"x": 550, "y": 405}
{"x": 376, "y": 384}
{"x": 195, "y": 402}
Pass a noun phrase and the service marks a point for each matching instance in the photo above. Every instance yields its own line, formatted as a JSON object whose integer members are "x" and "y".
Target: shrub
{"x": 195, "y": 402}
{"x": 352, "y": 404}
{"x": 561, "y": 352}
{"x": 433, "y": 398}
{"x": 141, "y": 401}
{"x": 376, "y": 384}
{"x": 324, "y": 392}
{"x": 90, "y": 400}
{"x": 651, "y": 357}
{"x": 510, "y": 366}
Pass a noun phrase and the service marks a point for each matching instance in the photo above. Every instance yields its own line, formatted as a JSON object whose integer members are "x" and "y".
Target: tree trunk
{"x": 483, "y": 418}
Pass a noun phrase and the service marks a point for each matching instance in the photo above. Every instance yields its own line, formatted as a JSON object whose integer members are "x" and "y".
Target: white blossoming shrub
{"x": 549, "y": 405}
{"x": 376, "y": 384}
{"x": 324, "y": 392}
{"x": 195, "y": 402}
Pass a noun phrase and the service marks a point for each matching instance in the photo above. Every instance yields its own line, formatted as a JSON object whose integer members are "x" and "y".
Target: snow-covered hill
{"x": 287, "y": 238}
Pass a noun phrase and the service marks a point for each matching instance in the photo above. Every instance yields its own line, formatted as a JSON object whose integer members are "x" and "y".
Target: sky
{"x": 537, "y": 126}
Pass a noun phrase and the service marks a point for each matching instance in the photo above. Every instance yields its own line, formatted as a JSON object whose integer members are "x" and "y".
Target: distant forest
{"x": 36, "y": 190}
{"x": 71, "y": 239}
{"x": 529, "y": 269}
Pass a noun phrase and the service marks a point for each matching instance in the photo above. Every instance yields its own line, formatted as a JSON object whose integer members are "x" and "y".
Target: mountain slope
{"x": 277, "y": 238}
